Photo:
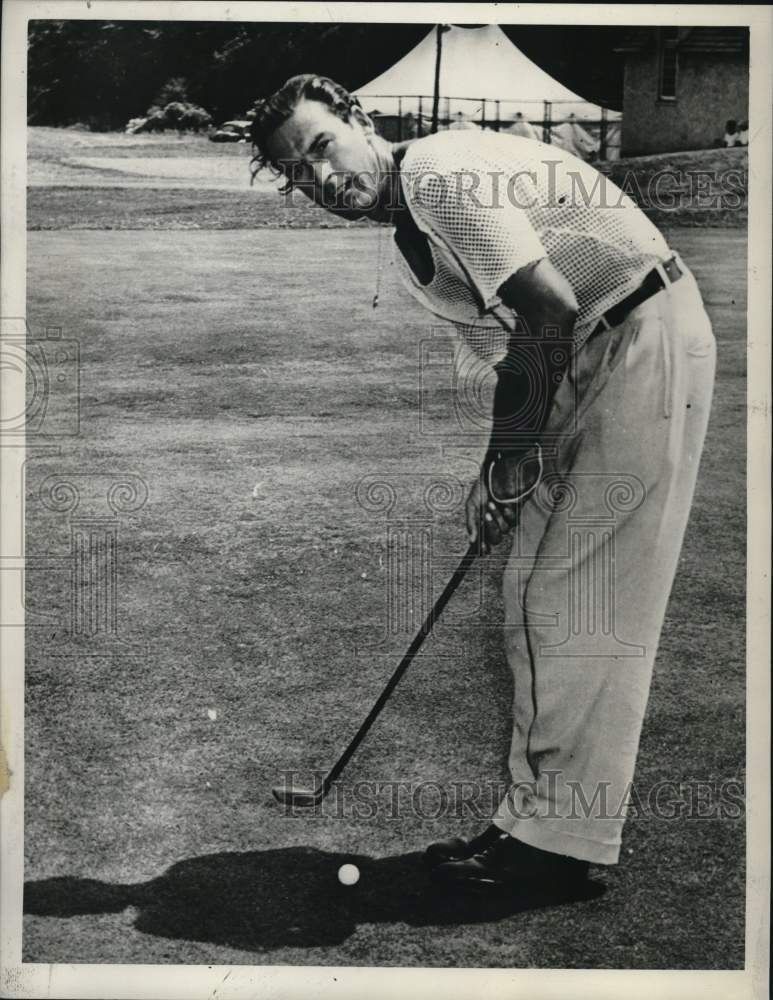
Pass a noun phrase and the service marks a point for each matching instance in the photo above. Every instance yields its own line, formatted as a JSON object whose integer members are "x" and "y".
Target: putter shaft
{"x": 307, "y": 797}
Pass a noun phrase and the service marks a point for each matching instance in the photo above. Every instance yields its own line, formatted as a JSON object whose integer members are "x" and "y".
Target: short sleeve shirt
{"x": 491, "y": 203}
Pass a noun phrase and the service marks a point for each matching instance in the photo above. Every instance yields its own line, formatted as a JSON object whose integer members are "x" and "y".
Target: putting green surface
{"x": 245, "y": 380}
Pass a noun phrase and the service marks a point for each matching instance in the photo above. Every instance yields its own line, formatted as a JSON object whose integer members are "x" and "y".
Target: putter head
{"x": 291, "y": 795}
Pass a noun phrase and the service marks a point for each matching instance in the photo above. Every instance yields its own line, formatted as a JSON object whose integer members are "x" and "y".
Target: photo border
{"x": 225, "y": 982}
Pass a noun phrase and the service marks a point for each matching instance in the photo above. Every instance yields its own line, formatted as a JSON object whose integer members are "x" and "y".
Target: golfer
{"x": 604, "y": 357}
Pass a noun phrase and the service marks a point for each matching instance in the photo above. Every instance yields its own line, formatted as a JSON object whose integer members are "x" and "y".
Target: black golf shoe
{"x": 456, "y": 849}
{"x": 510, "y": 864}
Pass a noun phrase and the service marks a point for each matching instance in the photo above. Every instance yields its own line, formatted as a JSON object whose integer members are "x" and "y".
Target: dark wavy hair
{"x": 269, "y": 114}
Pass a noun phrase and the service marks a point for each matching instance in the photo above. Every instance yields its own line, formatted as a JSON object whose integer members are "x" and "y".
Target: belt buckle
{"x": 674, "y": 262}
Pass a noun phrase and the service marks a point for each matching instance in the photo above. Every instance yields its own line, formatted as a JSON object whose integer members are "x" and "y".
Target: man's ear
{"x": 357, "y": 114}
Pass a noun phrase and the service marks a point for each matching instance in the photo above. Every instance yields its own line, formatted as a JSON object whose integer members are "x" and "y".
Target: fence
{"x": 411, "y": 116}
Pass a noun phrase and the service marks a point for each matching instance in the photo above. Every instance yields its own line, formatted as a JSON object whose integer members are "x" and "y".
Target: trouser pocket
{"x": 700, "y": 342}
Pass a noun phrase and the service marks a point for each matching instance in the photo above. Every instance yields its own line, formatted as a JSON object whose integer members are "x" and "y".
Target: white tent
{"x": 477, "y": 65}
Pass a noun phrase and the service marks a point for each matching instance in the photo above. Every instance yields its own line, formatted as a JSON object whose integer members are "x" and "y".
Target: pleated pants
{"x": 593, "y": 561}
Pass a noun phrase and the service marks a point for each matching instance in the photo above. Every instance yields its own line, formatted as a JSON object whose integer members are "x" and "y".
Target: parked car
{"x": 237, "y": 131}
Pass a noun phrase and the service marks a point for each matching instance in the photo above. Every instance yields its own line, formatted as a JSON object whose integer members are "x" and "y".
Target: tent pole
{"x": 436, "y": 95}
{"x": 420, "y": 130}
{"x": 546, "y": 122}
{"x": 483, "y": 112}
{"x": 399, "y": 119}
{"x": 499, "y": 119}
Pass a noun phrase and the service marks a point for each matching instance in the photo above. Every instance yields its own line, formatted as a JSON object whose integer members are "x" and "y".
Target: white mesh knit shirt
{"x": 491, "y": 203}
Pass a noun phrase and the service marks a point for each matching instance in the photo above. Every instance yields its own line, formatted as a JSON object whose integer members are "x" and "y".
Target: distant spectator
{"x": 522, "y": 127}
{"x": 461, "y": 122}
{"x": 573, "y": 138}
{"x": 731, "y": 137}
{"x": 415, "y": 125}
{"x": 410, "y": 125}
{"x": 743, "y": 134}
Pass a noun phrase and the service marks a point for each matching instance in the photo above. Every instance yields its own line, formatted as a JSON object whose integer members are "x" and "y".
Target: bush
{"x": 178, "y": 115}
{"x": 173, "y": 112}
{"x": 195, "y": 118}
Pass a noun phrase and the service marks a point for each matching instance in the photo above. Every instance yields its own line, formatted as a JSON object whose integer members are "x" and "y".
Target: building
{"x": 681, "y": 85}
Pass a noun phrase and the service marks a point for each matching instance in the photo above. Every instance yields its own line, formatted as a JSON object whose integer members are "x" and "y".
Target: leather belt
{"x": 660, "y": 277}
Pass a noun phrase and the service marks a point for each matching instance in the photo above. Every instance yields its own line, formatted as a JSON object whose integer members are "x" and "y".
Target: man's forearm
{"x": 527, "y": 378}
{"x": 530, "y": 373}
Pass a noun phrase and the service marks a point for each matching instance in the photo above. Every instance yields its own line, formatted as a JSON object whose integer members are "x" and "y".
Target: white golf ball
{"x": 348, "y": 874}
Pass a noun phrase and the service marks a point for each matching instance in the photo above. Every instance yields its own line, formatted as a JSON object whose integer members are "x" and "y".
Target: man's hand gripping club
{"x": 506, "y": 480}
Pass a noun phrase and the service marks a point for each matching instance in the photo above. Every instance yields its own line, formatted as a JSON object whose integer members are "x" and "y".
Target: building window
{"x": 668, "y": 64}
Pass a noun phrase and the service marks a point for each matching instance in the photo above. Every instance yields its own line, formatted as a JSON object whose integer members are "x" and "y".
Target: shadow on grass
{"x": 279, "y": 898}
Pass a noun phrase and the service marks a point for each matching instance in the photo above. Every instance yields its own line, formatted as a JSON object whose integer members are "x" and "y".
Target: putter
{"x": 295, "y": 796}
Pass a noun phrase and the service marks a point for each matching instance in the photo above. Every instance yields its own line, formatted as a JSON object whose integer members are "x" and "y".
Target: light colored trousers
{"x": 593, "y": 560}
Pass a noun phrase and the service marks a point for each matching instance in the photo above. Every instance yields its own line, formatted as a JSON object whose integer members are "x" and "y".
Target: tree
{"x": 175, "y": 89}
{"x": 102, "y": 73}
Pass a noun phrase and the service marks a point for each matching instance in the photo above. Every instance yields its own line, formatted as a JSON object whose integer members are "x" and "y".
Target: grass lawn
{"x": 86, "y": 180}
{"x": 246, "y": 379}
{"x": 81, "y": 180}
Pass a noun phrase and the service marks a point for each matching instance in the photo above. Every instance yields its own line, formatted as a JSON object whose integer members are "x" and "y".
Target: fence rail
{"x": 412, "y": 117}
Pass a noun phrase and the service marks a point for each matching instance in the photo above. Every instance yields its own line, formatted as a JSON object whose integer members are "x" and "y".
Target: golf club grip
{"x": 458, "y": 575}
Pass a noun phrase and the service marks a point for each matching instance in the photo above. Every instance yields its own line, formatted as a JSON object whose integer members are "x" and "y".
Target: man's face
{"x": 331, "y": 160}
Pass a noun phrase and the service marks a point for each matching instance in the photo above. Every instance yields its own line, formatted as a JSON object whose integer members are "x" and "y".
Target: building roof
{"x": 697, "y": 39}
